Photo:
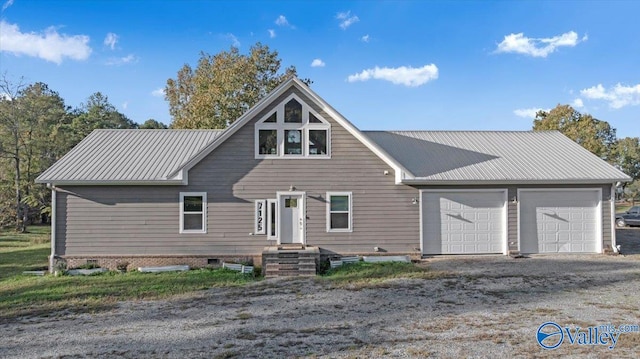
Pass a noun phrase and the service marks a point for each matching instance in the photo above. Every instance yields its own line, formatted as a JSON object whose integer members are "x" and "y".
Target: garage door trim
{"x": 505, "y": 221}
{"x": 598, "y": 191}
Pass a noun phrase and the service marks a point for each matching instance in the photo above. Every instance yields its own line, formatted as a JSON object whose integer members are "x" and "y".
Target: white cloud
{"x": 272, "y": 33}
{"x": 366, "y": 38}
{"x": 159, "y": 92}
{"x": 125, "y": 105}
{"x": 317, "y": 63}
{"x": 346, "y": 19}
{"x": 618, "y": 96}
{"x": 542, "y": 47}
{"x": 110, "y": 40}
{"x": 402, "y": 75}
{"x": 129, "y": 59}
{"x": 49, "y": 45}
{"x": 577, "y": 103}
{"x": 282, "y": 21}
{"x": 528, "y": 112}
{"x": 6, "y": 4}
{"x": 234, "y": 40}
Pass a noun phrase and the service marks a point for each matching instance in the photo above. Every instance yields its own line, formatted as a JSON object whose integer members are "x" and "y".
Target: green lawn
{"x": 22, "y": 295}
{"x": 361, "y": 275}
{"x": 623, "y": 207}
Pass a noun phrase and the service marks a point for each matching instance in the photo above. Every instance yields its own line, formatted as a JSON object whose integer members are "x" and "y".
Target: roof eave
{"x": 113, "y": 182}
{"x": 423, "y": 181}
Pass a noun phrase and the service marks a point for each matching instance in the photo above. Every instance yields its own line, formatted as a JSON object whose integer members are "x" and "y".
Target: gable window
{"x": 339, "y": 212}
{"x": 193, "y": 212}
{"x": 318, "y": 142}
{"x": 293, "y": 142}
{"x": 293, "y": 112}
{"x": 292, "y": 130}
{"x": 268, "y": 142}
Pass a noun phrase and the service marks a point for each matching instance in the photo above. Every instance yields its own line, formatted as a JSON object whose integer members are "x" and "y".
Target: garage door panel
{"x": 463, "y": 222}
{"x": 559, "y": 221}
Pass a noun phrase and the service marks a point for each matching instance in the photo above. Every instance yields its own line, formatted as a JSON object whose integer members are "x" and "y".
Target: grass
{"x": 22, "y": 295}
{"x": 362, "y": 275}
{"x": 23, "y": 251}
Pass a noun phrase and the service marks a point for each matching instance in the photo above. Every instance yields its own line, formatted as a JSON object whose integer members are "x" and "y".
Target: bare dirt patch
{"x": 487, "y": 307}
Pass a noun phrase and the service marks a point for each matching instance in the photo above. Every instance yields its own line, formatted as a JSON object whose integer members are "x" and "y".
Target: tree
{"x": 223, "y": 86}
{"x": 632, "y": 190}
{"x": 594, "y": 135}
{"x": 10, "y": 140}
{"x": 627, "y": 157}
{"x": 151, "y": 124}
{"x": 29, "y": 116}
{"x": 97, "y": 113}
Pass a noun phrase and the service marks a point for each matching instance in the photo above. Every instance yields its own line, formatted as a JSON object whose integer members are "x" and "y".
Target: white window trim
{"x": 280, "y": 126}
{"x": 204, "y": 212}
{"x": 338, "y": 230}
{"x": 269, "y": 215}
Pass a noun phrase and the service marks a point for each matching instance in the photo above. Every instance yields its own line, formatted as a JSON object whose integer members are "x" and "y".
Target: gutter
{"x": 613, "y": 218}
{"x": 568, "y": 181}
{"x": 53, "y": 227}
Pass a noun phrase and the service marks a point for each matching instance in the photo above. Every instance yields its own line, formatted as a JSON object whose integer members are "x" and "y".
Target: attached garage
{"x": 560, "y": 220}
{"x": 463, "y": 221}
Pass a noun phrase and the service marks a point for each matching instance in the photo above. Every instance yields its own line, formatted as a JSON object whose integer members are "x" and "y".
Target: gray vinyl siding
{"x": 144, "y": 220}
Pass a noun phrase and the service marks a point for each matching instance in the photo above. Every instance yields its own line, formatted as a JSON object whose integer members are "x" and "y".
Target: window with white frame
{"x": 292, "y": 130}
{"x": 272, "y": 219}
{"x": 339, "y": 212}
{"x": 193, "y": 212}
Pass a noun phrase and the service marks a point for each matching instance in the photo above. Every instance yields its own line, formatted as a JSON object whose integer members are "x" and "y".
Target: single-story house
{"x": 292, "y": 170}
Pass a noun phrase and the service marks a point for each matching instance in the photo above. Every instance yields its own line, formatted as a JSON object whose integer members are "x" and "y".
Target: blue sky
{"x": 423, "y": 65}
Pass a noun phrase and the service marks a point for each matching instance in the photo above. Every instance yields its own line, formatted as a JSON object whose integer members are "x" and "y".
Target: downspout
{"x": 613, "y": 218}
{"x": 53, "y": 227}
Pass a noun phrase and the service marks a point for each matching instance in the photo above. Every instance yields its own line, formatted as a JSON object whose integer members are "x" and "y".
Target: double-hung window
{"x": 339, "y": 212}
{"x": 193, "y": 212}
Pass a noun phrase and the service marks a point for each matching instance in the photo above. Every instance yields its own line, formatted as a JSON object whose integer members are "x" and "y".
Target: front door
{"x": 291, "y": 217}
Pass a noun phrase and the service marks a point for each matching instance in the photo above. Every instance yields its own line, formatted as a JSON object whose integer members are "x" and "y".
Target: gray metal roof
{"x": 483, "y": 156}
{"x": 128, "y": 155}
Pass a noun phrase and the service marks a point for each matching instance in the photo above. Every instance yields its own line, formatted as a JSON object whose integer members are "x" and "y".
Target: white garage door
{"x": 562, "y": 221}
{"x": 463, "y": 222}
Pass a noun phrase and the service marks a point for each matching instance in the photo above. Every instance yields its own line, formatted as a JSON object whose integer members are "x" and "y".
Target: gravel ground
{"x": 491, "y": 306}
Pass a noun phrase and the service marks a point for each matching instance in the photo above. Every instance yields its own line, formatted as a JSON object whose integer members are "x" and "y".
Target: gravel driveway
{"x": 489, "y": 306}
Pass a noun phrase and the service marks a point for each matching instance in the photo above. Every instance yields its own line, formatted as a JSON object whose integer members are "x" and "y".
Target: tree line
{"x": 37, "y": 128}
{"x": 598, "y": 137}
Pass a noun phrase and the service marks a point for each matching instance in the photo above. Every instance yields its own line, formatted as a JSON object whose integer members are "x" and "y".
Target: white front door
{"x": 292, "y": 219}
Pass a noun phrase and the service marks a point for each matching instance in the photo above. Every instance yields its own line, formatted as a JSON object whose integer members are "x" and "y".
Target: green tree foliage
{"x": 627, "y": 154}
{"x": 152, "y": 124}
{"x": 29, "y": 118}
{"x": 633, "y": 191}
{"x": 594, "y": 135}
{"x": 223, "y": 86}
{"x": 96, "y": 113}
{"x": 36, "y": 129}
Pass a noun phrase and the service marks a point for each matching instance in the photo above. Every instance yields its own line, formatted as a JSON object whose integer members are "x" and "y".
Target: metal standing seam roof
{"x": 128, "y": 155}
{"x": 494, "y": 156}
